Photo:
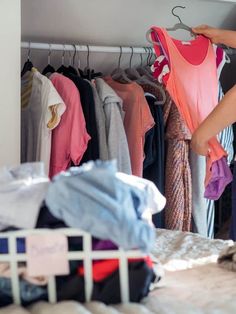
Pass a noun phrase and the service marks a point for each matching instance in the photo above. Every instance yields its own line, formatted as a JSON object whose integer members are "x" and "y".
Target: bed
{"x": 193, "y": 281}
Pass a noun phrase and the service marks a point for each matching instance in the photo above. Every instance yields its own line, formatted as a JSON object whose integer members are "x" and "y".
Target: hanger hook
{"x": 145, "y": 49}
{"x": 120, "y": 57}
{"x": 63, "y": 55}
{"x": 131, "y": 57}
{"x": 88, "y": 56}
{"x": 78, "y": 58}
{"x": 74, "y": 54}
{"x": 173, "y": 13}
{"x": 141, "y": 58}
{"x": 29, "y": 51}
{"x": 49, "y": 54}
{"x": 70, "y": 58}
{"x": 151, "y": 55}
{"x": 148, "y": 51}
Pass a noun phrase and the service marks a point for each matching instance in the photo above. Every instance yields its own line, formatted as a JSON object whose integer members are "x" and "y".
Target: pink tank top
{"x": 193, "y": 87}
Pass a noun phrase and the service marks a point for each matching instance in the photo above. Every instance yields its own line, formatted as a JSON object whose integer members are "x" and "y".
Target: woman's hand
{"x": 214, "y": 34}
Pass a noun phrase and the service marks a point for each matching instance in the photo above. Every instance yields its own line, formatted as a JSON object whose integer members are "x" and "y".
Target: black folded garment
{"x": 140, "y": 278}
{"x": 48, "y": 221}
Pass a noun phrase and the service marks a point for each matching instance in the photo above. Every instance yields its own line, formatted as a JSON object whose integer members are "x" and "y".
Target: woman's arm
{"x": 216, "y": 35}
{"x": 222, "y": 116}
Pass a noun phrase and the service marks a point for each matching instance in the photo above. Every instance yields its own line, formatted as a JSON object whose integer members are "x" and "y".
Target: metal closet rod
{"x": 84, "y": 48}
{"x": 66, "y": 47}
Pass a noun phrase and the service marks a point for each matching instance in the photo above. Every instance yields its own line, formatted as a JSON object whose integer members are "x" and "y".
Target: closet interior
{"x": 107, "y": 97}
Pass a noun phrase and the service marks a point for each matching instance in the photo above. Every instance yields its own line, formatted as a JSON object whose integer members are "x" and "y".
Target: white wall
{"x": 10, "y": 82}
{"x": 115, "y": 22}
{"x": 110, "y": 22}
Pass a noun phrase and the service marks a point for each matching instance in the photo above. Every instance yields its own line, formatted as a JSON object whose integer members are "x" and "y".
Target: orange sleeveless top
{"x": 194, "y": 89}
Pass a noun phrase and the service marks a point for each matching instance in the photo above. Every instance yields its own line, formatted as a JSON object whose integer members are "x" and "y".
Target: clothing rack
{"x": 85, "y": 48}
{"x": 91, "y": 48}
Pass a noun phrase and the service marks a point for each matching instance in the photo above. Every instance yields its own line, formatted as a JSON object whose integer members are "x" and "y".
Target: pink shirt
{"x": 70, "y": 137}
{"x": 138, "y": 120}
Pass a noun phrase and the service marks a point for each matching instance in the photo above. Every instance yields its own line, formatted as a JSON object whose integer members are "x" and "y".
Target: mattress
{"x": 193, "y": 281}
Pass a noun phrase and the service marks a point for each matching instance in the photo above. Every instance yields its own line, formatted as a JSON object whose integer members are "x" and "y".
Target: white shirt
{"x": 39, "y": 99}
{"x": 22, "y": 191}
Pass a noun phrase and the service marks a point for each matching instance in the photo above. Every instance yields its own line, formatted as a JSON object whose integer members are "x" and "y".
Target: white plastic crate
{"x": 87, "y": 256}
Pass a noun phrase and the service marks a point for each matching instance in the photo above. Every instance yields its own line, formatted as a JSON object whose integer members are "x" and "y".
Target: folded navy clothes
{"x": 29, "y": 293}
{"x": 20, "y": 242}
{"x": 105, "y": 203}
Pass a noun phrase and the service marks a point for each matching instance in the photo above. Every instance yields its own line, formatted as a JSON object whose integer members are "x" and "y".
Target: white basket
{"x": 87, "y": 256}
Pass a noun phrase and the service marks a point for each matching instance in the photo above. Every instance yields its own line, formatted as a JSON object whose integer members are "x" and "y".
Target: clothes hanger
{"x": 76, "y": 54}
{"x": 177, "y": 26}
{"x": 145, "y": 69}
{"x": 49, "y": 68}
{"x": 142, "y": 68}
{"x": 149, "y": 59}
{"x": 141, "y": 63}
{"x": 145, "y": 79}
{"x": 132, "y": 73}
{"x": 180, "y": 25}
{"x": 62, "y": 68}
{"x": 71, "y": 67}
{"x": 28, "y": 64}
{"x": 119, "y": 74}
{"x": 227, "y": 53}
{"x": 88, "y": 73}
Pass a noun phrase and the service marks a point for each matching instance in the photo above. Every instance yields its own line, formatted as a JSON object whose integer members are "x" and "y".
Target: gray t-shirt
{"x": 117, "y": 145}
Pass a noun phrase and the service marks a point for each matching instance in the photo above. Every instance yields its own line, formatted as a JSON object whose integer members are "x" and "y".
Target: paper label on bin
{"x": 47, "y": 255}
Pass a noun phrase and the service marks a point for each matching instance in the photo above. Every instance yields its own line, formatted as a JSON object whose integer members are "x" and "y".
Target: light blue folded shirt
{"x": 96, "y": 199}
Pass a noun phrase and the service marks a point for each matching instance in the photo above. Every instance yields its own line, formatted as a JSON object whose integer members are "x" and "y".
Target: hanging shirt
{"x": 70, "y": 138}
{"x": 138, "y": 120}
{"x": 101, "y": 124}
{"x": 88, "y": 106}
{"x": 117, "y": 145}
{"x": 178, "y": 181}
{"x": 222, "y": 174}
{"x": 41, "y": 110}
{"x": 194, "y": 104}
{"x": 161, "y": 69}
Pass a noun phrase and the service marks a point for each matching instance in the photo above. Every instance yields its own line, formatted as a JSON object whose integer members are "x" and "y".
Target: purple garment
{"x": 233, "y": 219}
{"x": 221, "y": 177}
{"x": 103, "y": 245}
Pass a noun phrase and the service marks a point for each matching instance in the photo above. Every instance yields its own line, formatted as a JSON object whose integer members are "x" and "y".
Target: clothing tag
{"x": 186, "y": 43}
{"x": 46, "y": 255}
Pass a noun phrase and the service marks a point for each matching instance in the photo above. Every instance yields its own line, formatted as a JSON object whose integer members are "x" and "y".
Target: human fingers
{"x": 201, "y": 29}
